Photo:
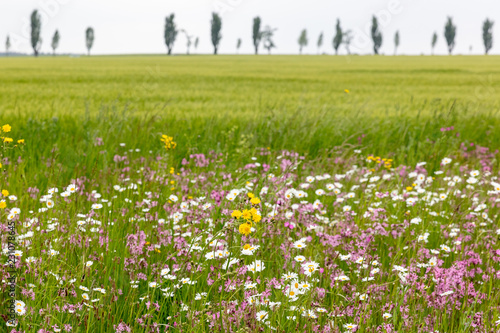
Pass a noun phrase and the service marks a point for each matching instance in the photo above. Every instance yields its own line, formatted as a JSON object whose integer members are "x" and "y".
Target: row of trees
{"x": 36, "y": 39}
{"x": 265, "y": 36}
{"x": 261, "y": 35}
{"x": 171, "y": 32}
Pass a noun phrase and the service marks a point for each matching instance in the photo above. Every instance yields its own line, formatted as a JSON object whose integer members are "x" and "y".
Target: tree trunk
{"x": 36, "y": 53}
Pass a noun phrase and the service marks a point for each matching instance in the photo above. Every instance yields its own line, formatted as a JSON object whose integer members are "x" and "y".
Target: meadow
{"x": 231, "y": 103}
{"x": 250, "y": 194}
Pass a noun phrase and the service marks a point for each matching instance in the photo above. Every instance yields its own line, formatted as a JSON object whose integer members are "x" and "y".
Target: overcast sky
{"x": 136, "y": 26}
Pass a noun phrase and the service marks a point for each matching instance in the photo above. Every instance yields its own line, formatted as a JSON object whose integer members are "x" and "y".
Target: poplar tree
{"x": 303, "y": 40}
{"x": 434, "y": 41}
{"x": 339, "y": 36}
{"x": 450, "y": 31}
{"x": 487, "y": 35}
{"x": 376, "y": 35}
{"x": 216, "y": 27}
{"x": 55, "y": 42}
{"x": 89, "y": 39}
{"x": 36, "y": 29}
{"x": 170, "y": 33}
{"x": 256, "y": 34}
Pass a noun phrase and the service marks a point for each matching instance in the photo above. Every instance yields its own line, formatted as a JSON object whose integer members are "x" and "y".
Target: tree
{"x": 376, "y": 35}
{"x": 267, "y": 36}
{"x": 396, "y": 42}
{"x": 434, "y": 41}
{"x": 216, "y": 26}
{"x": 303, "y": 40}
{"x": 450, "y": 31}
{"x": 188, "y": 44}
{"x": 196, "y": 42}
{"x": 320, "y": 41}
{"x": 55, "y": 41}
{"x": 188, "y": 40}
{"x": 339, "y": 35}
{"x": 347, "y": 39}
{"x": 89, "y": 38}
{"x": 238, "y": 45}
{"x": 487, "y": 35}
{"x": 7, "y": 45}
{"x": 256, "y": 34}
{"x": 36, "y": 29}
{"x": 170, "y": 33}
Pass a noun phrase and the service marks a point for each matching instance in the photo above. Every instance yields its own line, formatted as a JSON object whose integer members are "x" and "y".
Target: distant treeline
{"x": 260, "y": 36}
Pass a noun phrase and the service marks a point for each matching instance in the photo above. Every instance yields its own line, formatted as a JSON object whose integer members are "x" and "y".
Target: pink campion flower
{"x": 122, "y": 327}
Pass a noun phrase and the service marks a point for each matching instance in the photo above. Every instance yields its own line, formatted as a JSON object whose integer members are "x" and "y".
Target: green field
{"x": 291, "y": 194}
{"x": 228, "y": 103}
{"x": 241, "y": 86}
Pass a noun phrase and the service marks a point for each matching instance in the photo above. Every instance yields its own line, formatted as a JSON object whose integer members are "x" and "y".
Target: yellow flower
{"x": 6, "y": 128}
{"x": 172, "y": 182}
{"x": 3, "y": 204}
{"x": 251, "y": 195}
{"x": 168, "y": 141}
{"x": 247, "y": 215}
{"x": 244, "y": 228}
{"x": 5, "y": 193}
{"x": 236, "y": 214}
{"x": 255, "y": 201}
{"x": 7, "y": 140}
{"x": 172, "y": 171}
{"x": 346, "y": 91}
{"x": 409, "y": 188}
{"x": 247, "y": 246}
{"x": 0, "y": 165}
{"x": 257, "y": 218}
{"x": 255, "y": 215}
{"x": 20, "y": 141}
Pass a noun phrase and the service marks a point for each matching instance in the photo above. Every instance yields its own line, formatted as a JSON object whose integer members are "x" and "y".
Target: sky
{"x": 136, "y": 27}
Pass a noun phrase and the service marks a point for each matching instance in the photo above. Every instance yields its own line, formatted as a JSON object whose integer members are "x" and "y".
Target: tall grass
{"x": 68, "y": 142}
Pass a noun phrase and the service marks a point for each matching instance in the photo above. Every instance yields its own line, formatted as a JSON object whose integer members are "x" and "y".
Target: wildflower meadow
{"x": 119, "y": 222}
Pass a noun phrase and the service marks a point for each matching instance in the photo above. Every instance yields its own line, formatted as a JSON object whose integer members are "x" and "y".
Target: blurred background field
{"x": 395, "y": 106}
{"x": 244, "y": 85}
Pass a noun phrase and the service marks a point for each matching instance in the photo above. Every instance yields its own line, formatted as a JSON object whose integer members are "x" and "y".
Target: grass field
{"x": 311, "y": 194}
{"x": 241, "y": 86}
{"x": 290, "y": 102}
